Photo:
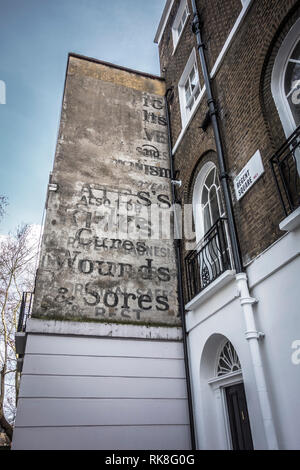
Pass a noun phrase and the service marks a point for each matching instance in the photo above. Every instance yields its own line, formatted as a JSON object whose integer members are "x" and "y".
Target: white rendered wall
{"x": 102, "y": 393}
{"x": 219, "y": 321}
{"x": 274, "y": 282}
{"x": 278, "y": 316}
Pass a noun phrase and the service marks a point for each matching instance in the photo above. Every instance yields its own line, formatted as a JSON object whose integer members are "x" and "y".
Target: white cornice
{"x": 163, "y": 21}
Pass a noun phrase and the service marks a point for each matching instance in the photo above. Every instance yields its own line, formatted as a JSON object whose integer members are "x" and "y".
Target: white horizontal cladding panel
{"x": 87, "y": 346}
{"x": 103, "y": 330}
{"x": 103, "y": 366}
{"x": 100, "y": 387}
{"x": 103, "y": 437}
{"x": 100, "y": 412}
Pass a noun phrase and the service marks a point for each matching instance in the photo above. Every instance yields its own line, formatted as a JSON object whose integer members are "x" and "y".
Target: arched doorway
{"x": 223, "y": 393}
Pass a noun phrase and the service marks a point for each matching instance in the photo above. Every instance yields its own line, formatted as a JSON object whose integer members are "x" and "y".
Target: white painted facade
{"x": 97, "y": 391}
{"x": 274, "y": 282}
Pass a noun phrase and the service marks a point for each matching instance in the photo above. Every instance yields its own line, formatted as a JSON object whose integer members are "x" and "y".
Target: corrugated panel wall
{"x": 98, "y": 393}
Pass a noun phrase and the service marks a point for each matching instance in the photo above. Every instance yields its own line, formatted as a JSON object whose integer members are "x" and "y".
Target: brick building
{"x": 142, "y": 342}
{"x": 232, "y": 71}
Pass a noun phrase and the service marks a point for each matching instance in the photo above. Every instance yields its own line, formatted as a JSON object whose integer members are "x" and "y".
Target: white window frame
{"x": 218, "y": 384}
{"x": 185, "y": 112}
{"x": 197, "y": 196}
{"x": 178, "y": 19}
{"x": 198, "y": 213}
{"x": 278, "y": 76}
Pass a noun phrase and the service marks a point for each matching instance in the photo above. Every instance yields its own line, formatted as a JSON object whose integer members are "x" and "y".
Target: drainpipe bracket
{"x": 224, "y": 176}
{"x": 196, "y": 27}
{"x": 176, "y": 183}
{"x": 201, "y": 45}
{"x": 254, "y": 335}
{"x": 53, "y": 187}
{"x": 248, "y": 301}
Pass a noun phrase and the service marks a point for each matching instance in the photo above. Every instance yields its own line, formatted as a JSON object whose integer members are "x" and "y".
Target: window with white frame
{"x": 285, "y": 81}
{"x": 292, "y": 82}
{"x": 179, "y": 22}
{"x": 213, "y": 253}
{"x": 189, "y": 88}
{"x": 228, "y": 360}
{"x": 211, "y": 200}
{"x": 207, "y": 200}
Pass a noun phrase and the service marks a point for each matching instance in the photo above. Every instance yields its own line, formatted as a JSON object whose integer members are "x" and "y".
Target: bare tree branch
{"x": 17, "y": 254}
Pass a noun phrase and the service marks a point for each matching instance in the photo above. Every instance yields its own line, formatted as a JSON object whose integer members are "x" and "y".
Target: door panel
{"x": 238, "y": 418}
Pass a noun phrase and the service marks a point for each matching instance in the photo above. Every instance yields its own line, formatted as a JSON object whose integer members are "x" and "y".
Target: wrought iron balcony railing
{"x": 209, "y": 260}
{"x": 285, "y": 165}
{"x": 25, "y": 310}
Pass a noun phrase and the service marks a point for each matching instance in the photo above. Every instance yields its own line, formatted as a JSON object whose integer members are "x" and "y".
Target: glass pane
{"x": 179, "y": 28}
{"x": 296, "y": 52}
{"x": 210, "y": 178}
{"x": 206, "y": 219}
{"x": 292, "y": 75}
{"x": 204, "y": 196}
{"x": 214, "y": 206}
{"x": 191, "y": 104}
{"x": 294, "y": 102}
{"x": 183, "y": 16}
{"x": 292, "y": 83}
{"x": 194, "y": 78}
{"x": 188, "y": 92}
{"x": 197, "y": 93}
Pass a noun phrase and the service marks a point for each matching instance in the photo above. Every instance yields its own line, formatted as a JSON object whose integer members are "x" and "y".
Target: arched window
{"x": 211, "y": 257}
{"x": 207, "y": 200}
{"x": 285, "y": 82}
{"x": 211, "y": 200}
{"x": 228, "y": 360}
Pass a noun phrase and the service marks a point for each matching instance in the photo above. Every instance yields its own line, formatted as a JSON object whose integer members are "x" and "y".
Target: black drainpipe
{"x": 214, "y": 120}
{"x": 180, "y": 288}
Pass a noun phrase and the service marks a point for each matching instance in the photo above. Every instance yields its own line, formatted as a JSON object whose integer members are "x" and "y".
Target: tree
{"x": 17, "y": 255}
{"x": 3, "y": 204}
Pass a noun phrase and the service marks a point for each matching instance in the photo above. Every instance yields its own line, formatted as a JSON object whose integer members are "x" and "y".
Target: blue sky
{"x": 35, "y": 39}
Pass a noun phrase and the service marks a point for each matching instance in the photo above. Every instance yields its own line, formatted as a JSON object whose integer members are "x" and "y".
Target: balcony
{"x": 285, "y": 165}
{"x": 25, "y": 311}
{"x": 20, "y": 336}
{"x": 209, "y": 262}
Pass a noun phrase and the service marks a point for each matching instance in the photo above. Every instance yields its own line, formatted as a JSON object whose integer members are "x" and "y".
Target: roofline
{"x": 109, "y": 64}
{"x": 163, "y": 21}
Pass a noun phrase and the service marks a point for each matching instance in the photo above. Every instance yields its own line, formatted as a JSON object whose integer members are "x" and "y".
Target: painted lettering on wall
{"x": 100, "y": 259}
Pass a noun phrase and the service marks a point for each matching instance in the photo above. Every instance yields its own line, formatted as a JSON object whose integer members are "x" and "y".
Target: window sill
{"x": 291, "y": 222}
{"x": 210, "y": 290}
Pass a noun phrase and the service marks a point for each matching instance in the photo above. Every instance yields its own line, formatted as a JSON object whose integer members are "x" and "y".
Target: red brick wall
{"x": 248, "y": 118}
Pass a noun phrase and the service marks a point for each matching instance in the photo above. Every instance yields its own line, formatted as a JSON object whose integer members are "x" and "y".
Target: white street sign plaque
{"x": 249, "y": 175}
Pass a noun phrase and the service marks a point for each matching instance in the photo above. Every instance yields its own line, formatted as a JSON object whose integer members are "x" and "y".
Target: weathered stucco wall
{"x": 111, "y": 170}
